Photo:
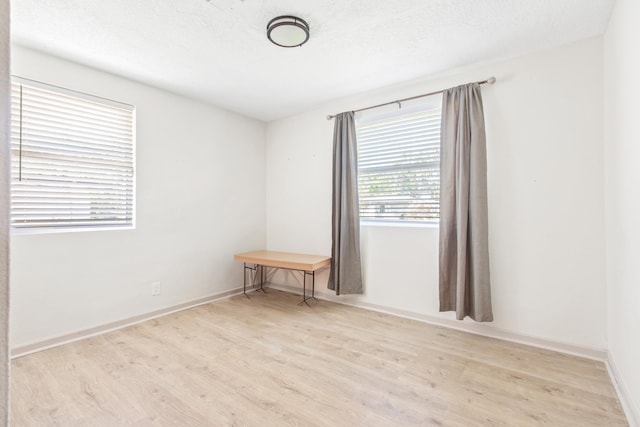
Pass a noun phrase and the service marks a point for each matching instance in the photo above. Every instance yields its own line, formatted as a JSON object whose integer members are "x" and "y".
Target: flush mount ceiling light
{"x": 288, "y": 31}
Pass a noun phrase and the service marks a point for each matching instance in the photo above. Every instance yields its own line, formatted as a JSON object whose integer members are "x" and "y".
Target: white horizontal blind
{"x": 72, "y": 159}
{"x": 399, "y": 167}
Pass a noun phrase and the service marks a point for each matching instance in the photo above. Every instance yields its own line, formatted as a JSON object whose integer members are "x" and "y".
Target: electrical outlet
{"x": 155, "y": 288}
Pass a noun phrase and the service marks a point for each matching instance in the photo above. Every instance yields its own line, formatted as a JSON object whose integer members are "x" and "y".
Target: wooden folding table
{"x": 307, "y": 264}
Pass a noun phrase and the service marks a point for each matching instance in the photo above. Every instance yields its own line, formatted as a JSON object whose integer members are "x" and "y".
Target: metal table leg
{"x": 263, "y": 276}
{"x": 258, "y": 269}
{"x": 244, "y": 280}
{"x": 304, "y": 287}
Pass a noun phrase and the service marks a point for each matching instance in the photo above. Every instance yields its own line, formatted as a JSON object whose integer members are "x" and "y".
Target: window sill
{"x": 402, "y": 224}
{"x": 53, "y": 230}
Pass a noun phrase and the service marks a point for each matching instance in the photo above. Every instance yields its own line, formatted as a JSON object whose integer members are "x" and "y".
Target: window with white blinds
{"x": 399, "y": 166}
{"x": 72, "y": 159}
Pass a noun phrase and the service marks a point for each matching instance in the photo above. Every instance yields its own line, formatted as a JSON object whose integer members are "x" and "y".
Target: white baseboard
{"x": 630, "y": 409}
{"x": 483, "y": 329}
{"x": 475, "y": 328}
{"x": 23, "y": 350}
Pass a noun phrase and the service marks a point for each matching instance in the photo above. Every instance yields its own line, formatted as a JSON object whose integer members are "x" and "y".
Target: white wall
{"x": 4, "y": 208}
{"x": 546, "y": 191}
{"x": 200, "y": 198}
{"x": 622, "y": 142}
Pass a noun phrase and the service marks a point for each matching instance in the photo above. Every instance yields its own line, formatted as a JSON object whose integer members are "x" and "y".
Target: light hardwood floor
{"x": 269, "y": 362}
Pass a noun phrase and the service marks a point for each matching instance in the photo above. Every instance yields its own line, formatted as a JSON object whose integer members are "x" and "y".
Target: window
{"x": 399, "y": 165}
{"x": 72, "y": 161}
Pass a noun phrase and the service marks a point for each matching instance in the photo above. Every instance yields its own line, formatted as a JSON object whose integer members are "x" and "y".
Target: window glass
{"x": 72, "y": 159}
{"x": 399, "y": 165}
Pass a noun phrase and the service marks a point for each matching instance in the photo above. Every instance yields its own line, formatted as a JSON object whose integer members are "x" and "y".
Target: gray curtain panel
{"x": 464, "y": 250}
{"x": 346, "y": 270}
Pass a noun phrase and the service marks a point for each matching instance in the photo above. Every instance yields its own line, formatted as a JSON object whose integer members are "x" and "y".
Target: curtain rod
{"x": 490, "y": 80}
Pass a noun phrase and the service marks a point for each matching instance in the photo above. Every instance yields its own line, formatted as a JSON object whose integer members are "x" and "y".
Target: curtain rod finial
{"x": 491, "y": 80}
{"x": 329, "y": 117}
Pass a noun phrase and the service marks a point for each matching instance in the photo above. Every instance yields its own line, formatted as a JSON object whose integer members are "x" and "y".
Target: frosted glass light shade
{"x": 288, "y": 31}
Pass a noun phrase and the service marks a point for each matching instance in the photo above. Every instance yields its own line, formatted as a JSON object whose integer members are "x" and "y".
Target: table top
{"x": 288, "y": 260}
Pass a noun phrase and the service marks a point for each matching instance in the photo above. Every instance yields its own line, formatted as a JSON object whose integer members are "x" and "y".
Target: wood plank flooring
{"x": 269, "y": 362}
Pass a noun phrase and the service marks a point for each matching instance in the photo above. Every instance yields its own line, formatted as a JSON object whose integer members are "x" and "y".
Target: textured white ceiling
{"x": 217, "y": 50}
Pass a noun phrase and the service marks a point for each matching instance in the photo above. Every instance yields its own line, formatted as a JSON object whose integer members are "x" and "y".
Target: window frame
{"x": 431, "y": 103}
{"x": 68, "y": 186}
